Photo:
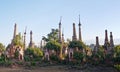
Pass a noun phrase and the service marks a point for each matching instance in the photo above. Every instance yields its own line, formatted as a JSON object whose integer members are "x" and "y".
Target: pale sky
{"x": 42, "y": 15}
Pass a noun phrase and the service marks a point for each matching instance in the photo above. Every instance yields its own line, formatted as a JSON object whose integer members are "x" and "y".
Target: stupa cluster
{"x": 12, "y": 48}
{"x": 108, "y": 45}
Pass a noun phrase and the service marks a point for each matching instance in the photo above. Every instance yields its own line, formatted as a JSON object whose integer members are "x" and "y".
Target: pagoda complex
{"x": 108, "y": 45}
{"x": 14, "y": 47}
{"x": 74, "y": 38}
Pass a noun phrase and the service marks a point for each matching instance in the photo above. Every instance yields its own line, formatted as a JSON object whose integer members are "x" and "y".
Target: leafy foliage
{"x": 53, "y": 45}
{"x": 2, "y": 58}
{"x": 98, "y": 57}
{"x": 78, "y": 44}
{"x": 101, "y": 52}
{"x": 16, "y": 54}
{"x": 117, "y": 54}
{"x": 117, "y": 67}
{"x": 34, "y": 54}
{"x": 52, "y": 36}
{"x": 78, "y": 56}
{"x": 18, "y": 40}
{"x": 2, "y": 47}
{"x": 54, "y": 57}
{"x": 117, "y": 49}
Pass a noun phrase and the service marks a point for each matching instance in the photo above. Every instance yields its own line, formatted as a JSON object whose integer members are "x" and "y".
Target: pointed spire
{"x": 97, "y": 41}
{"x": 63, "y": 35}
{"x": 80, "y": 36}
{"x": 111, "y": 40}
{"x": 79, "y": 21}
{"x": 30, "y": 36}
{"x": 74, "y": 37}
{"x": 25, "y": 30}
{"x": 97, "y": 45}
{"x": 25, "y": 38}
{"x": 15, "y": 31}
{"x": 106, "y": 43}
{"x": 106, "y": 36}
{"x": 60, "y": 19}
{"x": 31, "y": 44}
{"x": 60, "y": 30}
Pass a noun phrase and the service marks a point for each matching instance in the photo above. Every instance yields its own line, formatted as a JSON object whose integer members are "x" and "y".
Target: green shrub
{"x": 33, "y": 63}
{"x": 116, "y": 59}
{"x": 54, "y": 57}
{"x": 16, "y": 54}
{"x": 20, "y": 63}
{"x": 78, "y": 56}
{"x": 26, "y": 58}
{"x": 2, "y": 62}
{"x": 79, "y": 44}
{"x": 8, "y": 63}
{"x": 2, "y": 57}
{"x": 117, "y": 67}
{"x": 33, "y": 54}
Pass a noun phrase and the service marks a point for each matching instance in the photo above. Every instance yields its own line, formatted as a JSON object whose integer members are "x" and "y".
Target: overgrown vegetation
{"x": 33, "y": 54}
{"x": 18, "y": 40}
{"x": 78, "y": 44}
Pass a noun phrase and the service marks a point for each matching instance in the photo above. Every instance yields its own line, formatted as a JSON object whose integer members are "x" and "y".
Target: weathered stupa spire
{"x": 62, "y": 36}
{"x": 106, "y": 43}
{"x": 74, "y": 37}
{"x": 31, "y": 44}
{"x": 80, "y": 36}
{"x": 97, "y": 45}
{"x": 97, "y": 41}
{"x": 25, "y": 38}
{"x": 15, "y": 31}
{"x": 106, "y": 36}
{"x": 111, "y": 40}
{"x": 30, "y": 36}
{"x": 60, "y": 39}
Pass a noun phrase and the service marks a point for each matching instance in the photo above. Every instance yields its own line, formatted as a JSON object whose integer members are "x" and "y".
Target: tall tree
{"x": 18, "y": 40}
{"x": 52, "y": 36}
